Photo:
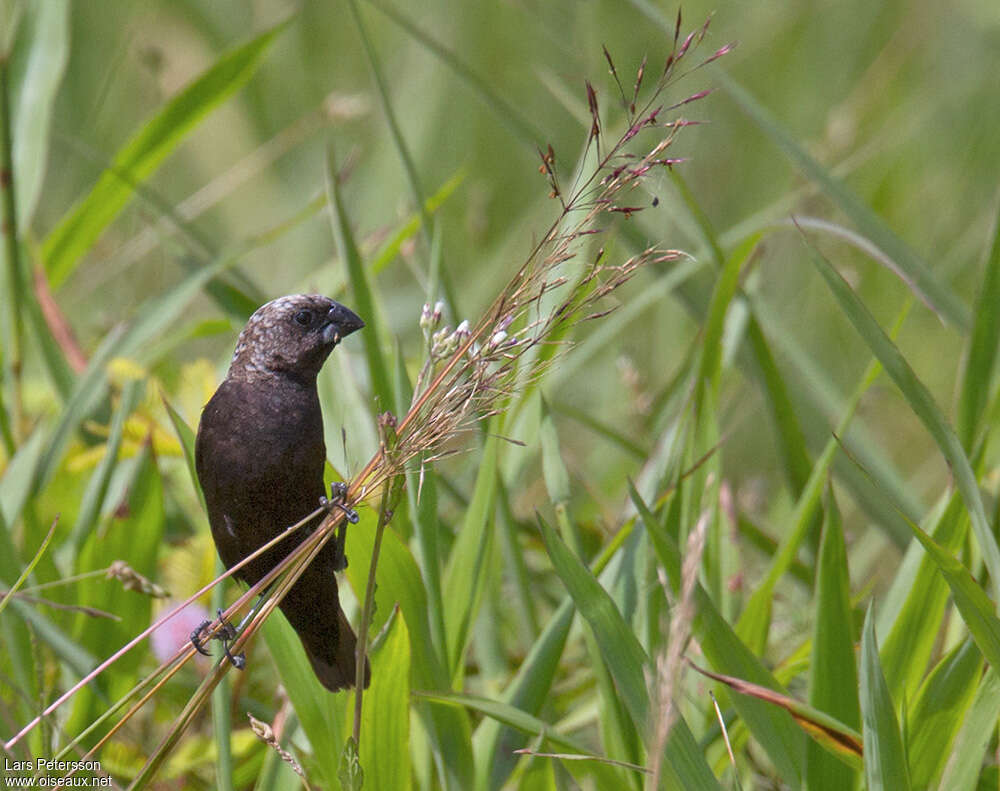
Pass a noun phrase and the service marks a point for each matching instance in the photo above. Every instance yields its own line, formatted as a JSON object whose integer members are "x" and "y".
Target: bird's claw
{"x": 196, "y": 640}
{"x": 338, "y": 501}
{"x": 338, "y": 496}
{"x": 225, "y": 634}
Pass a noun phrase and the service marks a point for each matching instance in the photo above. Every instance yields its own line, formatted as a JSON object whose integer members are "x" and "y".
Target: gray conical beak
{"x": 340, "y": 322}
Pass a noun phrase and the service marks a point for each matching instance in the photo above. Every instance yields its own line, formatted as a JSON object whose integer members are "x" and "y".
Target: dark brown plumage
{"x": 260, "y": 456}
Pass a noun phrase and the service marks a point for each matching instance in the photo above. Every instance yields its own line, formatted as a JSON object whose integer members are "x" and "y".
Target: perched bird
{"x": 260, "y": 455}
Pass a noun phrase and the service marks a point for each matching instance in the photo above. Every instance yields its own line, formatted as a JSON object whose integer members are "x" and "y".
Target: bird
{"x": 259, "y": 456}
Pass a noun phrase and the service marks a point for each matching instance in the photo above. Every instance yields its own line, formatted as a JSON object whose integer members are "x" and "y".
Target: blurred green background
{"x": 896, "y": 100}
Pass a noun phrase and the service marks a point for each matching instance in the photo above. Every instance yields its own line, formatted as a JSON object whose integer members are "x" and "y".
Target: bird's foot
{"x": 338, "y": 494}
{"x": 196, "y": 638}
{"x": 338, "y": 501}
{"x": 225, "y": 634}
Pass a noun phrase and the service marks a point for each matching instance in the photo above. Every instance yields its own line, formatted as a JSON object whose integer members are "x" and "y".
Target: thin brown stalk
{"x": 158, "y": 623}
{"x": 384, "y": 516}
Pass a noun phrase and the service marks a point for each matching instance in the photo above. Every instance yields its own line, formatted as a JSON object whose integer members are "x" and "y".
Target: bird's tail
{"x": 333, "y": 660}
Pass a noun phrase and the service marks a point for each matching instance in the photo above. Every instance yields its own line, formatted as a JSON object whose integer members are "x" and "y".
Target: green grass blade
{"x": 508, "y": 115}
{"x": 469, "y": 559}
{"x": 829, "y": 732}
{"x": 395, "y": 132}
{"x": 532, "y": 684}
{"x": 97, "y": 486}
{"x": 922, "y": 404}
{"x": 398, "y": 580}
{"x": 618, "y": 733}
{"x": 832, "y": 668}
{"x": 16, "y": 483}
{"x": 79, "y": 660}
{"x": 45, "y": 26}
{"x": 601, "y": 429}
{"x": 625, "y": 657}
{"x": 153, "y": 315}
{"x": 977, "y": 375}
{"x": 908, "y": 265}
{"x": 554, "y": 470}
{"x": 391, "y": 248}
{"x": 422, "y": 499}
{"x": 58, "y": 369}
{"x": 9, "y": 596}
{"x": 822, "y": 401}
{"x": 773, "y": 728}
{"x": 412, "y": 178}
{"x": 323, "y": 716}
{"x": 722, "y": 296}
{"x": 385, "y": 717}
{"x": 885, "y": 760}
{"x": 975, "y": 606}
{"x": 364, "y": 298}
{"x": 939, "y": 711}
{"x": 913, "y": 635}
{"x": 525, "y": 723}
{"x": 754, "y": 622}
{"x": 979, "y": 727}
{"x": 527, "y": 693}
{"x": 792, "y": 444}
{"x": 186, "y": 437}
{"x": 144, "y": 152}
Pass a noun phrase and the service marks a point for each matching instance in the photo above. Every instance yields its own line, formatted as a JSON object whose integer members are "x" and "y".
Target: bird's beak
{"x": 340, "y": 322}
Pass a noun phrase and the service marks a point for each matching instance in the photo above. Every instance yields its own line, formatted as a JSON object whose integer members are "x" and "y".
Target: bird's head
{"x": 292, "y": 335}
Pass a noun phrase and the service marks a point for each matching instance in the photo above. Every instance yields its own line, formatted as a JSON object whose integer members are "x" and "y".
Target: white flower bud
{"x": 426, "y": 319}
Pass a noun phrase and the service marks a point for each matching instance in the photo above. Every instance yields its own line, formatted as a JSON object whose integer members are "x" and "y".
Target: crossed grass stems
{"x": 474, "y": 372}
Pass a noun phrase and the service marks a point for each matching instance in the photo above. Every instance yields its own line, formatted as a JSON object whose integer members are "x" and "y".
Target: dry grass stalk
{"x": 670, "y": 661}
{"x": 266, "y": 734}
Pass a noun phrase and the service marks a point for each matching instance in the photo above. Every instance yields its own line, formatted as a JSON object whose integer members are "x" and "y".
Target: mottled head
{"x": 291, "y": 335}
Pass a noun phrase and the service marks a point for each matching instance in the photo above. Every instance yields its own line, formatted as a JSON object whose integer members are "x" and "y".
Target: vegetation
{"x": 719, "y": 518}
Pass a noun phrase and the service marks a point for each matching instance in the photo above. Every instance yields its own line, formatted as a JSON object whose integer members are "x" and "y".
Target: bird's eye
{"x": 304, "y": 317}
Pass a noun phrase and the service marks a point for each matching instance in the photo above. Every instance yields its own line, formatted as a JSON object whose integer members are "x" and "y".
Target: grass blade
{"x": 8, "y": 597}
{"x": 939, "y": 711}
{"x": 515, "y": 718}
{"x": 976, "y": 608}
{"x": 832, "y": 667}
{"x": 385, "y": 719}
{"x": 909, "y": 266}
{"x": 398, "y": 581}
{"x": 922, "y": 404}
{"x": 885, "y": 760}
{"x": 838, "y": 738}
{"x": 46, "y": 27}
{"x": 365, "y": 303}
{"x": 625, "y": 658}
{"x": 982, "y": 350}
{"x": 916, "y": 626}
{"x": 97, "y": 486}
{"x": 517, "y": 123}
{"x": 144, "y": 152}
{"x": 773, "y": 728}
{"x": 469, "y": 559}
{"x": 979, "y": 726}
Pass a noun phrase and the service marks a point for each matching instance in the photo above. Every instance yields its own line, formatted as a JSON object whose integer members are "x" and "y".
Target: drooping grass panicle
{"x": 551, "y": 291}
